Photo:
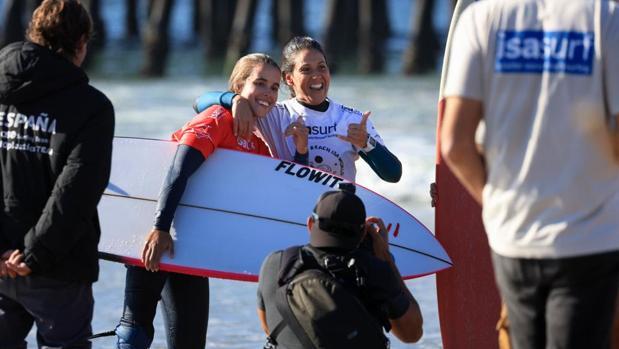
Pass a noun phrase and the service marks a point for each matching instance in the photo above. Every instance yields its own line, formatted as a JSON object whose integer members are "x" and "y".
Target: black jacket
{"x": 56, "y": 136}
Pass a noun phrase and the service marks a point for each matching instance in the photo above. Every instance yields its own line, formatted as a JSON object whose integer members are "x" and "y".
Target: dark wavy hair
{"x": 290, "y": 50}
{"x": 59, "y": 25}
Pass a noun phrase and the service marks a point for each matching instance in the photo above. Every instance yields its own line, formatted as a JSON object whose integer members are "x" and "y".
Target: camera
{"x": 367, "y": 244}
{"x": 347, "y": 187}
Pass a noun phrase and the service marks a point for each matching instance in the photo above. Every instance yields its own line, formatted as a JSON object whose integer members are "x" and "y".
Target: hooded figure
{"x": 56, "y": 136}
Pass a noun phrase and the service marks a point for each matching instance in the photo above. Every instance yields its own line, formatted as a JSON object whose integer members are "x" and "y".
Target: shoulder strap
{"x": 291, "y": 263}
{"x": 288, "y": 318}
{"x": 272, "y": 337}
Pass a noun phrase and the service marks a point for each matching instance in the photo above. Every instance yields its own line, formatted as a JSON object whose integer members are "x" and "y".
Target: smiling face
{"x": 310, "y": 77}
{"x": 261, "y": 88}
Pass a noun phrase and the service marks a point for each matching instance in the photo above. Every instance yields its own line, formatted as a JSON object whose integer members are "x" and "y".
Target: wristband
{"x": 370, "y": 145}
{"x": 227, "y": 99}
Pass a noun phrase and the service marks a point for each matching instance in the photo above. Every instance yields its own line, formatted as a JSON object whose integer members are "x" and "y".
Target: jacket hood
{"x": 29, "y": 71}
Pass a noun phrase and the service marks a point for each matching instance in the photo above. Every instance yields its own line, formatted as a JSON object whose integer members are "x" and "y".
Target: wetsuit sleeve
{"x": 72, "y": 204}
{"x": 384, "y": 163}
{"x": 302, "y": 159}
{"x": 209, "y": 99}
{"x": 381, "y": 160}
{"x": 186, "y": 161}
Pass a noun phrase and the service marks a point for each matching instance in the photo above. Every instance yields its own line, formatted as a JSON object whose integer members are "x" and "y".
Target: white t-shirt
{"x": 326, "y": 151}
{"x": 553, "y": 186}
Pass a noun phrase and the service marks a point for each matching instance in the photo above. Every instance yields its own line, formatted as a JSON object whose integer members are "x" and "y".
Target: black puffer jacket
{"x": 56, "y": 136}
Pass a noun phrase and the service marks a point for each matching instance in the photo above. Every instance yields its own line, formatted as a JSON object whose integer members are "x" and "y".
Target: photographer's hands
{"x": 375, "y": 229}
{"x": 409, "y": 326}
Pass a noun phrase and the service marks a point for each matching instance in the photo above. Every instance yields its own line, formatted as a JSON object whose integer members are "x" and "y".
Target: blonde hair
{"x": 243, "y": 68}
{"x": 59, "y": 25}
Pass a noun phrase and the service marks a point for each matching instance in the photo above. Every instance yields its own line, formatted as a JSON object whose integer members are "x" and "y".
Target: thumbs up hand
{"x": 357, "y": 133}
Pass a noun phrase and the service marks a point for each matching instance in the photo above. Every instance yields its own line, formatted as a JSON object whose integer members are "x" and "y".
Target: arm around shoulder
{"x": 208, "y": 99}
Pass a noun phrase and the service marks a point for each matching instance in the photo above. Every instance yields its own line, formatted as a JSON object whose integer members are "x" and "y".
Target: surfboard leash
{"x": 103, "y": 334}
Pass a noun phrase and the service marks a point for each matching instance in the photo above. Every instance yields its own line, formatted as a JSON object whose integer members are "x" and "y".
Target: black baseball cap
{"x": 339, "y": 220}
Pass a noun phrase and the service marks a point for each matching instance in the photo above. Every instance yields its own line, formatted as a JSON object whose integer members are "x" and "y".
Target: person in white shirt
{"x": 543, "y": 76}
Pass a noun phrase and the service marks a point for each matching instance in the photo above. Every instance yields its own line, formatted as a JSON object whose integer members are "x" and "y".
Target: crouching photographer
{"x": 342, "y": 290}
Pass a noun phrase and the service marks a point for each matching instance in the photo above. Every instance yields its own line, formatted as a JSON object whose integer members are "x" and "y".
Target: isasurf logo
{"x": 537, "y": 51}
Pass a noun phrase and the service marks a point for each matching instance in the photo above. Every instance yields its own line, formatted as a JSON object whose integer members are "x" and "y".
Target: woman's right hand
{"x": 244, "y": 121}
{"x": 157, "y": 242}
{"x": 299, "y": 134}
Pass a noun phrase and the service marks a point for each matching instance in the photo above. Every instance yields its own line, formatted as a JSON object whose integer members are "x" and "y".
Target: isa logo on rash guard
{"x": 536, "y": 51}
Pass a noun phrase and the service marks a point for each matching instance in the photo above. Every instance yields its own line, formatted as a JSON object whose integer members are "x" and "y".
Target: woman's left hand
{"x": 157, "y": 243}
{"x": 357, "y": 133}
{"x": 299, "y": 133}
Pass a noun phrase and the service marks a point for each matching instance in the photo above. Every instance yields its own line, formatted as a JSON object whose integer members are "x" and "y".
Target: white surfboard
{"x": 237, "y": 208}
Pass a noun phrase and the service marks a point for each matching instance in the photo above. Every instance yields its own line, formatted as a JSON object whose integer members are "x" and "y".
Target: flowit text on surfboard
{"x": 312, "y": 174}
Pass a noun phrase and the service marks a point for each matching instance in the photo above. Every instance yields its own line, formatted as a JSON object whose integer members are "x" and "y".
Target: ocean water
{"x": 402, "y": 15}
{"x": 404, "y": 112}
